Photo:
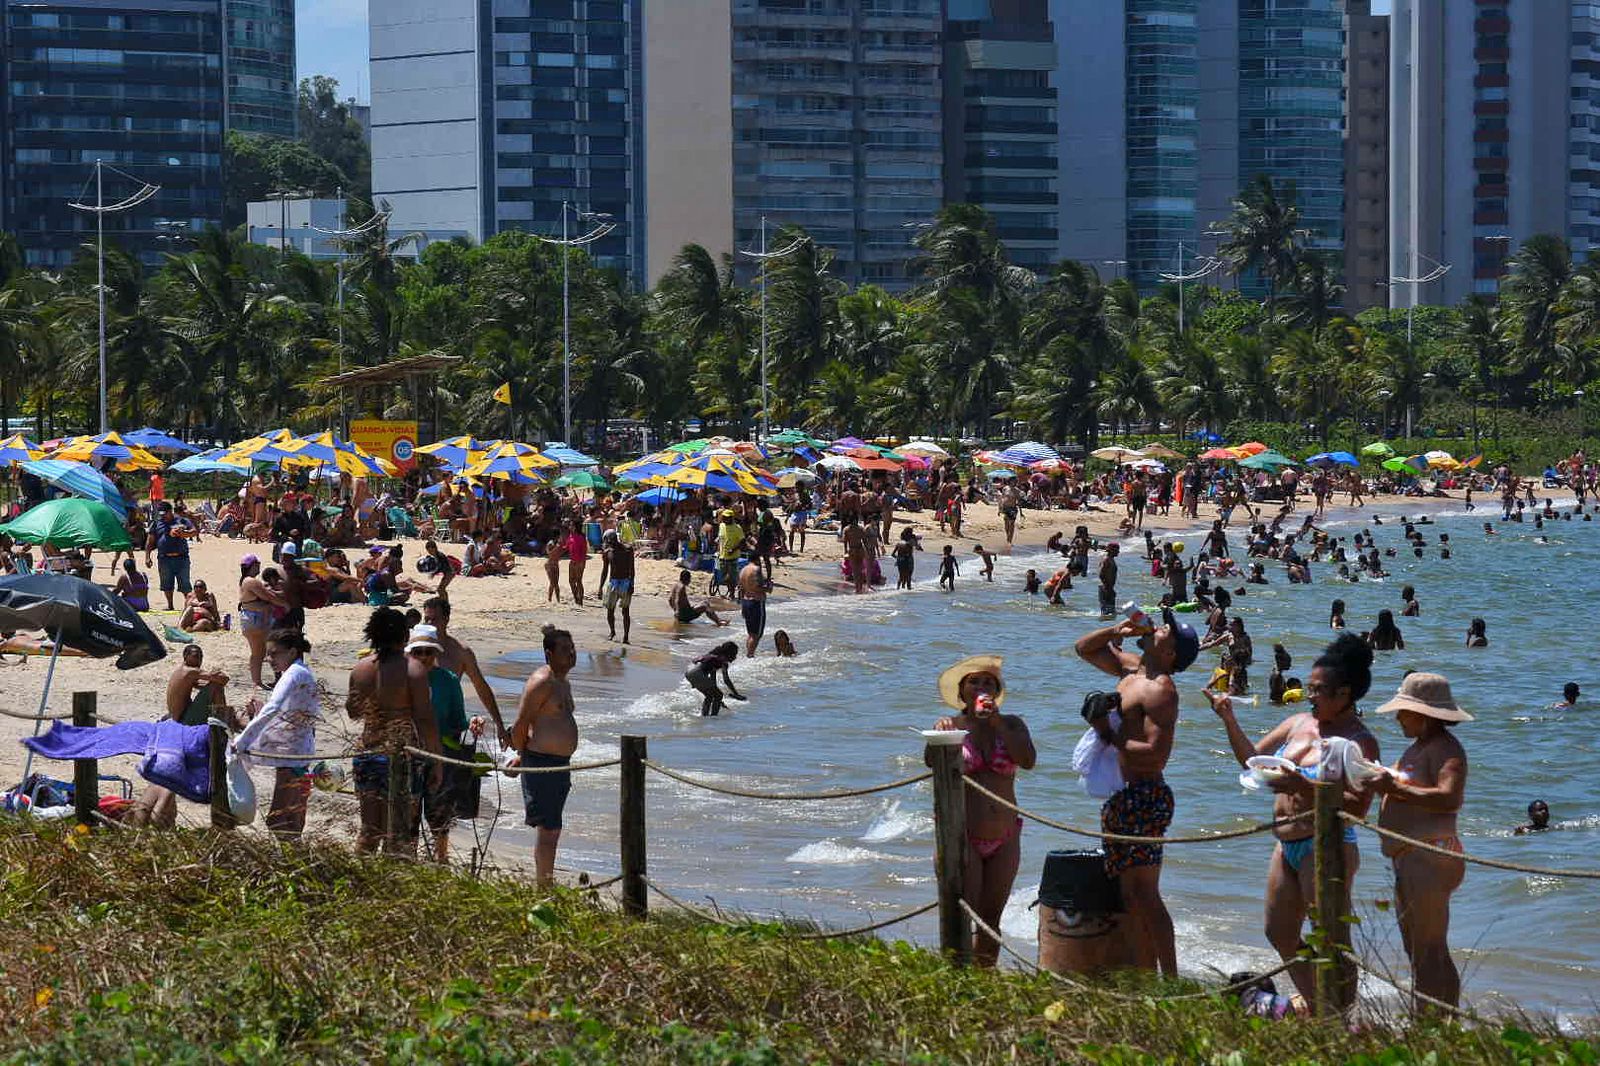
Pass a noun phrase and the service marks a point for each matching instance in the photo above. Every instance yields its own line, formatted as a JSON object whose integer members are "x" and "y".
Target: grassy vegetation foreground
{"x": 196, "y": 948}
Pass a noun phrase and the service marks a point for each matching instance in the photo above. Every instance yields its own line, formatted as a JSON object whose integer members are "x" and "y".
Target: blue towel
{"x": 176, "y": 756}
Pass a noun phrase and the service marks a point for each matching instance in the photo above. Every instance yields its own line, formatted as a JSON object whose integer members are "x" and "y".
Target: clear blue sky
{"x": 332, "y": 39}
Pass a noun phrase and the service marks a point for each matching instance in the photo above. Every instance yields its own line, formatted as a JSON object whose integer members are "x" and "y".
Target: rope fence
{"x": 1123, "y": 838}
{"x": 65, "y": 716}
{"x": 1423, "y": 845}
{"x": 1371, "y": 970}
{"x": 844, "y": 793}
{"x": 957, "y": 919}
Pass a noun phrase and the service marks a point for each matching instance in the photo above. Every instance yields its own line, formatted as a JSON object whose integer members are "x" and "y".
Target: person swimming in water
{"x": 1408, "y": 596}
{"x": 1385, "y": 636}
{"x": 1476, "y": 637}
{"x": 1335, "y": 615}
{"x": 1538, "y": 819}
{"x": 702, "y": 677}
{"x": 782, "y": 645}
{"x": 1569, "y": 696}
{"x": 1031, "y": 582}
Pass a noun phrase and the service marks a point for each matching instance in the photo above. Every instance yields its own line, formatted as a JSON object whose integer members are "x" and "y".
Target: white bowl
{"x": 944, "y": 736}
{"x": 1265, "y": 768}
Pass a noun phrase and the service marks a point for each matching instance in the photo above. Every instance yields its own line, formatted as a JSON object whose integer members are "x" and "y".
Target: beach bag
{"x": 241, "y": 793}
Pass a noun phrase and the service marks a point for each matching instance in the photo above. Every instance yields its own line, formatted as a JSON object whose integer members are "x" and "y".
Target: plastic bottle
{"x": 1137, "y": 616}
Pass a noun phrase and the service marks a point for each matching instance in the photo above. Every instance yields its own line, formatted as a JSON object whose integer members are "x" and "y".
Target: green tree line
{"x": 228, "y": 338}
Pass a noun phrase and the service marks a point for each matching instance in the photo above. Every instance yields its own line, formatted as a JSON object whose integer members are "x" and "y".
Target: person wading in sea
{"x": 1144, "y": 805}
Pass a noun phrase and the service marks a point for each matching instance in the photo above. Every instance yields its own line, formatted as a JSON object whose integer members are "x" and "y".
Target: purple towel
{"x": 176, "y": 756}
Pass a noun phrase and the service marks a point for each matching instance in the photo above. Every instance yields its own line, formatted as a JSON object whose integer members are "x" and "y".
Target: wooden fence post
{"x": 397, "y": 823}
{"x": 1328, "y": 854}
{"x": 635, "y": 892}
{"x": 950, "y": 850}
{"x": 221, "y": 813}
{"x": 85, "y": 772}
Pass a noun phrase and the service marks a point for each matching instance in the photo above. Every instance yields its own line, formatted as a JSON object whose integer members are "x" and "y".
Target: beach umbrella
{"x": 80, "y": 479}
{"x": 17, "y": 448}
{"x": 1046, "y": 466}
{"x": 662, "y": 494}
{"x": 1266, "y": 460}
{"x": 214, "y": 461}
{"x": 347, "y": 457}
{"x": 1154, "y": 465}
{"x": 262, "y": 448}
{"x": 1252, "y": 447}
{"x": 1472, "y": 464}
{"x": 1378, "y": 448}
{"x": 795, "y": 476}
{"x": 925, "y": 448}
{"x": 1333, "y": 459}
{"x": 1001, "y": 474}
{"x": 1028, "y": 451}
{"x": 511, "y": 461}
{"x": 70, "y": 523}
{"x": 1225, "y": 454}
{"x": 837, "y": 463}
{"x": 153, "y": 440}
{"x": 582, "y": 479}
{"x": 1160, "y": 451}
{"x": 1115, "y": 453}
{"x": 917, "y": 462}
{"x": 110, "y": 449}
{"x": 723, "y": 471}
{"x": 1399, "y": 466}
{"x": 457, "y": 452}
{"x": 1205, "y": 436}
{"x": 566, "y": 456}
{"x": 690, "y": 447}
{"x": 876, "y": 462}
{"x": 844, "y": 444}
{"x": 81, "y": 615}
{"x": 792, "y": 437}
{"x": 1441, "y": 460}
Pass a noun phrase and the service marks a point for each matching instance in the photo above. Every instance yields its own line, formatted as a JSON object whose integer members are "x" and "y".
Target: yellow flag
{"x": 503, "y": 393}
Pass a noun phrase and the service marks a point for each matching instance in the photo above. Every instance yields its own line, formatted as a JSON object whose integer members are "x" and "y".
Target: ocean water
{"x": 842, "y": 714}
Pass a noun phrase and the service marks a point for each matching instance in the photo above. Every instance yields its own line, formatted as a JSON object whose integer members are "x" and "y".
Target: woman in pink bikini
{"x": 997, "y": 745}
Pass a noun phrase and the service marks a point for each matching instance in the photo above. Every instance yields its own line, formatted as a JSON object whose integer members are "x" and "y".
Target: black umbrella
{"x": 79, "y": 614}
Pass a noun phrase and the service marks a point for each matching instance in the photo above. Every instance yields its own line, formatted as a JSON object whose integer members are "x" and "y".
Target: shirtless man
{"x": 460, "y": 660}
{"x": 389, "y": 696}
{"x": 1108, "y": 580}
{"x": 1422, "y": 795}
{"x": 1010, "y": 506}
{"x": 855, "y": 552}
{"x": 1144, "y": 806}
{"x": 617, "y": 558}
{"x": 193, "y": 695}
{"x": 684, "y": 609}
{"x": 545, "y": 736}
{"x": 753, "y": 605}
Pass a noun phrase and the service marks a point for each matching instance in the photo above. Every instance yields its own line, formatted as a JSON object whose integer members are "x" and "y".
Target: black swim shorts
{"x": 544, "y": 796}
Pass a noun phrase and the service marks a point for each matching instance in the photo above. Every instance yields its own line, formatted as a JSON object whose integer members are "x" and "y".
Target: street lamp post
{"x": 567, "y": 243}
{"x": 100, "y": 209}
{"x": 341, "y": 237}
{"x": 764, "y": 257}
{"x": 1207, "y": 265}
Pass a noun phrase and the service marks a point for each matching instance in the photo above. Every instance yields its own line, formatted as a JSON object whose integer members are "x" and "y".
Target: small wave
{"x": 897, "y": 824}
{"x": 832, "y": 853}
{"x": 1018, "y": 921}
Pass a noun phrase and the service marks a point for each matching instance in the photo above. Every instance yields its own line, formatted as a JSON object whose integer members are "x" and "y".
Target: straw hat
{"x": 950, "y": 680}
{"x": 423, "y": 636}
{"x": 1427, "y": 694}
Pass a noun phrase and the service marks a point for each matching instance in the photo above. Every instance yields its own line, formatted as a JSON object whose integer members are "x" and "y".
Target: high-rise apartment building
{"x": 1366, "y": 158}
{"x": 854, "y": 119}
{"x": 491, "y": 115}
{"x": 1000, "y": 121}
{"x": 1194, "y": 99}
{"x": 263, "y": 94}
{"x": 1495, "y": 133}
{"x": 136, "y": 84}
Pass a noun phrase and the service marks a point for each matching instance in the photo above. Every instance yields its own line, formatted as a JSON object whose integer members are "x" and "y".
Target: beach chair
{"x": 23, "y": 563}
{"x": 400, "y": 521}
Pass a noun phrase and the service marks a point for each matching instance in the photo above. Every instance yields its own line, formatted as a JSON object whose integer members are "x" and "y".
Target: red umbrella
{"x": 1253, "y": 447}
{"x": 1220, "y": 453}
{"x": 878, "y": 463}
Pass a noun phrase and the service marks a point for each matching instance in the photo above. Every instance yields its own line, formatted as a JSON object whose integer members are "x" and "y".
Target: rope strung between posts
{"x": 316, "y": 756}
{"x": 1422, "y": 845}
{"x": 598, "y": 885}
{"x": 993, "y": 934}
{"x": 1389, "y": 980}
{"x": 820, "y": 934}
{"x": 1121, "y": 838}
{"x": 844, "y": 793}
{"x": 66, "y": 716}
{"x": 574, "y": 768}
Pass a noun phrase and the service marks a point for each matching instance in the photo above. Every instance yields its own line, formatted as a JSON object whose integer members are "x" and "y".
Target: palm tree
{"x": 1247, "y": 361}
{"x": 1126, "y": 393}
{"x": 1263, "y": 235}
{"x": 838, "y": 399}
{"x": 907, "y": 400}
{"x": 872, "y": 329}
{"x": 1316, "y": 293}
{"x": 803, "y": 305}
{"x": 1194, "y": 386}
{"x": 1532, "y": 295}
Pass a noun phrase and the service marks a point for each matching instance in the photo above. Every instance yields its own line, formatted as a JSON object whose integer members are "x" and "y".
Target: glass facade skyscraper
{"x": 137, "y": 84}
{"x": 263, "y": 96}
{"x": 1162, "y": 131}
{"x": 1292, "y": 106}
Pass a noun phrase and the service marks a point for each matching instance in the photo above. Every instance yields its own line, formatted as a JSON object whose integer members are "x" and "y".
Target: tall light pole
{"x": 1439, "y": 270}
{"x": 1207, "y": 265}
{"x": 1117, "y": 266}
{"x": 341, "y": 237}
{"x": 764, "y": 257}
{"x": 100, "y": 209}
{"x": 605, "y": 226}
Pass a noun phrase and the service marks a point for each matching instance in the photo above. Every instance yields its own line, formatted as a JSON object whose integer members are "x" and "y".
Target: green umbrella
{"x": 689, "y": 447}
{"x": 795, "y": 436}
{"x": 1267, "y": 460}
{"x": 1399, "y": 466}
{"x": 70, "y": 523}
{"x": 582, "y": 479}
{"x": 1378, "y": 448}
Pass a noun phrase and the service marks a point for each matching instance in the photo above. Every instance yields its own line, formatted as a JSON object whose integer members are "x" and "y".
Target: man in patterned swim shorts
{"x": 1148, "y": 703}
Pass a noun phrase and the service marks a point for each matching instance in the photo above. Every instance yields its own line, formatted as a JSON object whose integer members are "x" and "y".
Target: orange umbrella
{"x": 1251, "y": 448}
{"x": 1220, "y": 453}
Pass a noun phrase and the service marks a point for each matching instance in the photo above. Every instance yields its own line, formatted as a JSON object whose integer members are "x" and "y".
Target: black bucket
{"x": 1076, "y": 881}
